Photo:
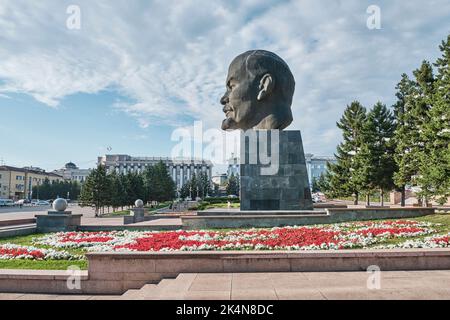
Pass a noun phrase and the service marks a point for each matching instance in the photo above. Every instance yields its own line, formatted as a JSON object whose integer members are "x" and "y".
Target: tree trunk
{"x": 382, "y": 197}
{"x": 367, "y": 199}
{"x": 403, "y": 200}
{"x": 355, "y": 202}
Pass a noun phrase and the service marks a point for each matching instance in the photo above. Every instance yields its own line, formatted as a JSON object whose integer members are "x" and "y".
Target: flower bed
{"x": 17, "y": 252}
{"x": 338, "y": 236}
{"x": 436, "y": 241}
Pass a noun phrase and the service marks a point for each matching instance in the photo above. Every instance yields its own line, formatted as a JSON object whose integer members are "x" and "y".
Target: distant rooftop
{"x": 125, "y": 157}
{"x": 29, "y": 170}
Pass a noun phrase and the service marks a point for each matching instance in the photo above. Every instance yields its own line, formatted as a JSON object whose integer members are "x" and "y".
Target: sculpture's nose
{"x": 224, "y": 100}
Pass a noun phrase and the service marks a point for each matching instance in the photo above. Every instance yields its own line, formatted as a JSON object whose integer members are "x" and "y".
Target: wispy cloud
{"x": 169, "y": 58}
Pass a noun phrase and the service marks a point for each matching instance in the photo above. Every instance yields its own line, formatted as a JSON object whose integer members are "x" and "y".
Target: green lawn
{"x": 122, "y": 213}
{"x": 442, "y": 218}
{"x": 117, "y": 214}
{"x": 218, "y": 205}
{"x": 42, "y": 265}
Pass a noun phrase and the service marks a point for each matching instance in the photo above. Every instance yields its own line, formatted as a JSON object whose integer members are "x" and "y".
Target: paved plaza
{"x": 88, "y": 218}
{"x": 396, "y": 285}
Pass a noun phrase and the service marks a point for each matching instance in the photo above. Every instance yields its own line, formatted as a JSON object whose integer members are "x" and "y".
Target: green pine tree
{"x": 185, "y": 190}
{"x": 158, "y": 184}
{"x": 233, "y": 185}
{"x": 376, "y": 158}
{"x": 134, "y": 187}
{"x": 411, "y": 111}
{"x": 96, "y": 189}
{"x": 421, "y": 101}
{"x": 434, "y": 175}
{"x": 403, "y": 130}
{"x": 194, "y": 186}
{"x": 323, "y": 183}
{"x": 115, "y": 199}
{"x": 343, "y": 175}
{"x": 204, "y": 185}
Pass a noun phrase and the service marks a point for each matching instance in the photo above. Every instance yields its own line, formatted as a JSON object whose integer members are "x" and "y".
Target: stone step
{"x": 11, "y": 227}
{"x": 133, "y": 294}
{"x": 166, "y": 289}
{"x": 17, "y": 222}
{"x": 14, "y": 231}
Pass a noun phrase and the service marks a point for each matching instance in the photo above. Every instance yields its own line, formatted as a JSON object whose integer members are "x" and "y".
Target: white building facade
{"x": 233, "y": 167}
{"x": 317, "y": 165}
{"x": 181, "y": 170}
{"x": 72, "y": 173}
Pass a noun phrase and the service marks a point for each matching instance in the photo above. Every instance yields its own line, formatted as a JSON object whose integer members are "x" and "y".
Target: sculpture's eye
{"x": 231, "y": 85}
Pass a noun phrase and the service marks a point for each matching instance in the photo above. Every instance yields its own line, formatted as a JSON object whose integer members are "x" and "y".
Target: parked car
{"x": 6, "y": 203}
{"x": 42, "y": 203}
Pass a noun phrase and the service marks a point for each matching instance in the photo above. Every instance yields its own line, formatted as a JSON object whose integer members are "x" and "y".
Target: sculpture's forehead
{"x": 237, "y": 68}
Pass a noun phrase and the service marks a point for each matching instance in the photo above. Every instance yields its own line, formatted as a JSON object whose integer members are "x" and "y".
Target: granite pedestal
{"x": 273, "y": 172}
{"x": 57, "y": 221}
{"x": 136, "y": 215}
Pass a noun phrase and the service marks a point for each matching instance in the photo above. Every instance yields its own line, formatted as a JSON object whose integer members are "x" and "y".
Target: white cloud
{"x": 170, "y": 57}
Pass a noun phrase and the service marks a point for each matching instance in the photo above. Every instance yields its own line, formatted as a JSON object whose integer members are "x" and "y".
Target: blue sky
{"x": 137, "y": 70}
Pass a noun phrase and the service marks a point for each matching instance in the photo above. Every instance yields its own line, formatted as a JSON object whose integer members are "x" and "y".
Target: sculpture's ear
{"x": 266, "y": 86}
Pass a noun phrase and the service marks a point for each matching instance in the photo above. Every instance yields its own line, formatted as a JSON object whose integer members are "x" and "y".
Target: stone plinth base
{"x": 57, "y": 221}
{"x": 273, "y": 171}
{"x": 237, "y": 212}
{"x": 136, "y": 215}
{"x": 52, "y": 212}
{"x": 270, "y": 219}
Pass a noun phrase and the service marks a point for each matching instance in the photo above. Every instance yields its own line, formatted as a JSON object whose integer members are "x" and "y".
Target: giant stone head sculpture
{"x": 259, "y": 93}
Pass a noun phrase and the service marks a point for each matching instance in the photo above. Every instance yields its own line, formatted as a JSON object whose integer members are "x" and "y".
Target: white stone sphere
{"x": 139, "y": 203}
{"x": 60, "y": 204}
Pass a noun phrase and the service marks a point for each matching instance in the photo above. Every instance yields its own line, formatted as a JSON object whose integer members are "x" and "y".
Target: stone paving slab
{"x": 88, "y": 218}
{"x": 325, "y": 285}
{"x": 395, "y": 285}
{"x": 39, "y": 274}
